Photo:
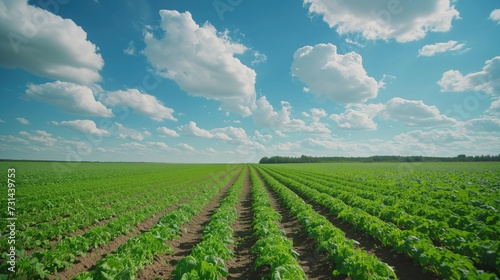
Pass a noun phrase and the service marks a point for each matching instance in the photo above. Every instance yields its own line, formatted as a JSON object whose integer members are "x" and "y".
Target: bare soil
{"x": 88, "y": 262}
{"x": 163, "y": 265}
{"x": 314, "y": 265}
{"x": 241, "y": 266}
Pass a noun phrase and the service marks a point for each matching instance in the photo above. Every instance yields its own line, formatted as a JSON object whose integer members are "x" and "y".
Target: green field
{"x": 287, "y": 221}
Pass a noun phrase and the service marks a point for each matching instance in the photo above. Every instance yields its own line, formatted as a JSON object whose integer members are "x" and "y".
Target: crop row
{"x": 131, "y": 256}
{"x": 273, "y": 248}
{"x": 63, "y": 254}
{"x": 348, "y": 260}
{"x": 207, "y": 259}
{"x": 442, "y": 262}
{"x": 482, "y": 251}
{"x": 455, "y": 212}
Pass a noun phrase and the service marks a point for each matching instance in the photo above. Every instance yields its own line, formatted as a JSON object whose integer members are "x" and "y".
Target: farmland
{"x": 239, "y": 221}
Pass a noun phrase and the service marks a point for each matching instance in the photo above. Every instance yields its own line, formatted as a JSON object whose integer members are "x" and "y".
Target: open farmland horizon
{"x": 418, "y": 220}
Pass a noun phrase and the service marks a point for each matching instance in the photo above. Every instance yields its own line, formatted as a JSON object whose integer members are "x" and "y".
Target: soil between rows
{"x": 88, "y": 262}
{"x": 241, "y": 266}
{"x": 163, "y": 265}
{"x": 314, "y": 265}
{"x": 403, "y": 265}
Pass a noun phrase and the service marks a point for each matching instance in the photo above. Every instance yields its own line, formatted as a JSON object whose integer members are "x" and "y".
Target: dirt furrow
{"x": 403, "y": 265}
{"x": 88, "y": 262}
{"x": 314, "y": 265}
{"x": 163, "y": 265}
{"x": 241, "y": 266}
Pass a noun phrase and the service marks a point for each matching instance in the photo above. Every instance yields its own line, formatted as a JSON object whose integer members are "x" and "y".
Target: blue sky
{"x": 236, "y": 80}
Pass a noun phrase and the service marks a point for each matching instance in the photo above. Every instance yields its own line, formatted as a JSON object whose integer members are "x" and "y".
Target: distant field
{"x": 287, "y": 221}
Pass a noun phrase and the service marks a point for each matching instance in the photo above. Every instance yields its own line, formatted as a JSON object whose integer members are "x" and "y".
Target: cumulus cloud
{"x": 201, "y": 61}
{"x": 168, "y": 132}
{"x": 40, "y": 136}
{"x": 266, "y": 116}
{"x": 159, "y": 145}
{"x": 484, "y": 124}
{"x": 83, "y": 126}
{"x": 434, "y": 136}
{"x": 338, "y": 77}
{"x": 414, "y": 113}
{"x": 129, "y": 133}
{"x": 69, "y": 97}
{"x": 495, "y": 16}
{"x": 487, "y": 80}
{"x": 430, "y": 50}
{"x": 47, "y": 45}
{"x": 191, "y": 129}
{"x": 23, "y": 121}
{"x": 141, "y": 103}
{"x": 354, "y": 119}
{"x": 186, "y": 147}
{"x": 402, "y": 20}
{"x": 494, "y": 107}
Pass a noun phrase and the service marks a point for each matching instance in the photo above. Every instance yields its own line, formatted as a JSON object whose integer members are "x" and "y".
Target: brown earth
{"x": 314, "y": 265}
{"x": 88, "y": 262}
{"x": 163, "y": 265}
{"x": 241, "y": 266}
{"x": 403, "y": 265}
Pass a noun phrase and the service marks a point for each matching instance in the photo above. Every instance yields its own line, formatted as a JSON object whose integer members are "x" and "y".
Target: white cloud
{"x": 495, "y": 16}
{"x": 159, "y": 145}
{"x": 201, "y": 61}
{"x": 354, "y": 119}
{"x": 83, "y": 126}
{"x": 430, "y": 50}
{"x": 486, "y": 80}
{"x": 258, "y": 58}
{"x": 484, "y": 124}
{"x": 432, "y": 137}
{"x": 40, "y": 136}
{"x": 192, "y": 129}
{"x": 141, "y": 103}
{"x": 167, "y": 132}
{"x": 279, "y": 133}
{"x": 186, "y": 147}
{"x": 70, "y": 98}
{"x": 338, "y": 77}
{"x": 125, "y": 132}
{"x": 414, "y": 113}
{"x": 317, "y": 114}
{"x": 265, "y": 116}
{"x": 46, "y": 44}
{"x": 130, "y": 50}
{"x": 23, "y": 121}
{"x": 494, "y": 107}
{"x": 402, "y": 20}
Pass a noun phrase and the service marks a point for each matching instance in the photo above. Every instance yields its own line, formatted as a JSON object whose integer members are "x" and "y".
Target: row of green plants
{"x": 63, "y": 254}
{"x": 453, "y": 207}
{"x": 347, "y": 259}
{"x": 439, "y": 261}
{"x": 208, "y": 258}
{"x": 484, "y": 252}
{"x": 273, "y": 249}
{"x": 139, "y": 251}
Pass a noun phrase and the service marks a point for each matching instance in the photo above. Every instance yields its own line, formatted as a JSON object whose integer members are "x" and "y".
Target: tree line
{"x": 311, "y": 159}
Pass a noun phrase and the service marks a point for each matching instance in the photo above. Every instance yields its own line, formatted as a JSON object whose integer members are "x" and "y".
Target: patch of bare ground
{"x": 88, "y": 262}
{"x": 163, "y": 265}
{"x": 241, "y": 266}
{"x": 314, "y": 264}
{"x": 403, "y": 265}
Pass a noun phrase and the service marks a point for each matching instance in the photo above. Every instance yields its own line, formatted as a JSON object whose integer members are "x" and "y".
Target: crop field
{"x": 250, "y": 221}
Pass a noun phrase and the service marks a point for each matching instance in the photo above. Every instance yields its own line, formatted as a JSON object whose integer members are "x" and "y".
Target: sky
{"x": 237, "y": 80}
